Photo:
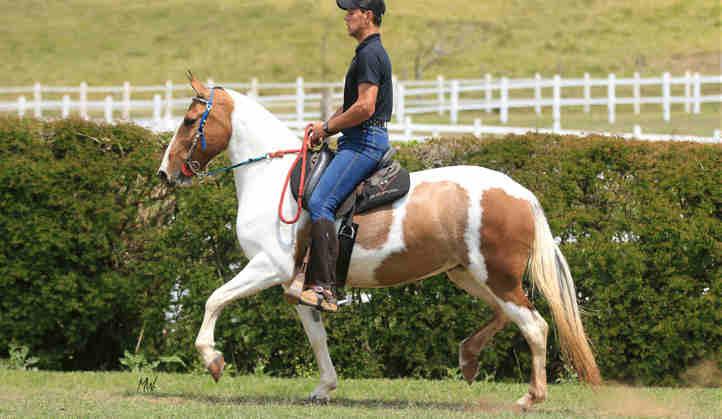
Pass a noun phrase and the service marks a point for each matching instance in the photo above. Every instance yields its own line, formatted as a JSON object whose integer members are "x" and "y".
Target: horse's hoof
{"x": 470, "y": 370}
{"x": 216, "y": 367}
{"x": 524, "y": 403}
{"x": 319, "y": 400}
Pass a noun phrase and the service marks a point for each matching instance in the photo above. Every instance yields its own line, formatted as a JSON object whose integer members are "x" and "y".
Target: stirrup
{"x": 319, "y": 298}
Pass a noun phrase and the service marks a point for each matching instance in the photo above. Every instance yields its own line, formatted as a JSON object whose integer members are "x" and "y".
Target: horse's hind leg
{"x": 316, "y": 333}
{"x": 470, "y": 348}
{"x": 535, "y": 329}
{"x": 511, "y": 304}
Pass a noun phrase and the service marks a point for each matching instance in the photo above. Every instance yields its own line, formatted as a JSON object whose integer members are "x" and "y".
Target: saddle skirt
{"x": 388, "y": 182}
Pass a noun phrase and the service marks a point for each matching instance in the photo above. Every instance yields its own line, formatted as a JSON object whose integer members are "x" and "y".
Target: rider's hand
{"x": 317, "y": 134}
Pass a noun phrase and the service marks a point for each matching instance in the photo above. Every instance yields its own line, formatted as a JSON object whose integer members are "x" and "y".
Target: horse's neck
{"x": 256, "y": 132}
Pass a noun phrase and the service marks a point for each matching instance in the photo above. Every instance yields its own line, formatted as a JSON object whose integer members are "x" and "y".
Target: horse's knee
{"x": 214, "y": 302}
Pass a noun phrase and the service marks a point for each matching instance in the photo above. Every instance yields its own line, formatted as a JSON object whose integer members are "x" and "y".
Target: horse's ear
{"x": 198, "y": 87}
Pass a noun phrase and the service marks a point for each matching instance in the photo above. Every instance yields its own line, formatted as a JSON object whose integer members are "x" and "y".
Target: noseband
{"x": 193, "y": 166}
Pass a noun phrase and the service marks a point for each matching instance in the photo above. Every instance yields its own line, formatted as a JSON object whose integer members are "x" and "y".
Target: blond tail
{"x": 550, "y": 272}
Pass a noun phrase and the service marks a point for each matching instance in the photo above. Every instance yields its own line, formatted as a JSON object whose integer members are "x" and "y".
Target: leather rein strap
{"x": 301, "y": 156}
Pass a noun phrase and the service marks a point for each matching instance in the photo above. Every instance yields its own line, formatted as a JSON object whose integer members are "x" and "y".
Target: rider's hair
{"x": 377, "y": 18}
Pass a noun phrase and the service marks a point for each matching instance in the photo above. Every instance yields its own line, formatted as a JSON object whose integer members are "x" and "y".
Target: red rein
{"x": 301, "y": 156}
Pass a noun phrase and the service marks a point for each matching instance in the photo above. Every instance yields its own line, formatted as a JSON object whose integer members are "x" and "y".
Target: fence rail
{"x": 302, "y": 101}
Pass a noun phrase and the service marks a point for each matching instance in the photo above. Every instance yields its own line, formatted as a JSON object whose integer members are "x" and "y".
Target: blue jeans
{"x": 359, "y": 152}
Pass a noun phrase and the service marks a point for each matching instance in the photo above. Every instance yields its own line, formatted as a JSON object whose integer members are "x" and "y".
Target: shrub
{"x": 95, "y": 251}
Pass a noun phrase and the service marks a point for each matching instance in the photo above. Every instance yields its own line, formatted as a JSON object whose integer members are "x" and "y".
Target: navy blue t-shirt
{"x": 371, "y": 64}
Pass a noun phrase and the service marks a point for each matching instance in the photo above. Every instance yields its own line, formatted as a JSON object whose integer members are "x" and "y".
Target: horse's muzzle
{"x": 163, "y": 176}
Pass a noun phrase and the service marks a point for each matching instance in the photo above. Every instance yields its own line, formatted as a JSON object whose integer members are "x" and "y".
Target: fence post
{"x": 556, "y": 112}
{"x": 300, "y": 98}
{"x": 454, "y": 113}
{"x": 326, "y": 102}
{"x": 38, "y": 100}
{"x": 66, "y": 106}
{"x": 22, "y": 104}
{"x": 441, "y": 96}
{"x": 477, "y": 128}
{"x": 210, "y": 83}
{"x": 587, "y": 93}
{"x": 697, "y": 93}
{"x": 253, "y": 92}
{"x": 612, "y": 98}
{"x": 400, "y": 101}
{"x": 488, "y": 94}
{"x": 407, "y": 128}
{"x": 687, "y": 91}
{"x": 665, "y": 97}
{"x": 168, "y": 100}
{"x": 108, "y": 108}
{"x": 537, "y": 94}
{"x": 126, "y": 101}
{"x": 395, "y": 87}
{"x": 637, "y": 131}
{"x": 636, "y": 93}
{"x": 83, "y": 100}
{"x": 157, "y": 105}
{"x": 504, "y": 94}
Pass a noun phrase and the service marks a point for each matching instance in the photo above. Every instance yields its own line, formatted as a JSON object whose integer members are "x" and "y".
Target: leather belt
{"x": 374, "y": 123}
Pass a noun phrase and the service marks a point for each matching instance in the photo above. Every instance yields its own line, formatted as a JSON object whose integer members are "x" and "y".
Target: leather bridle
{"x": 192, "y": 167}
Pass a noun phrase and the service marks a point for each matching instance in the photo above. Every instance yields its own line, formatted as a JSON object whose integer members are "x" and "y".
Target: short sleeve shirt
{"x": 371, "y": 64}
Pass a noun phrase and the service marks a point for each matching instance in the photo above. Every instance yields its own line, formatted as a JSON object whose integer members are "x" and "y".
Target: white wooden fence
{"x": 160, "y": 106}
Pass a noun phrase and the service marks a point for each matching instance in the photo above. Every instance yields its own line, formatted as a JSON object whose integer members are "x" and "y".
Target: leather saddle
{"x": 388, "y": 182}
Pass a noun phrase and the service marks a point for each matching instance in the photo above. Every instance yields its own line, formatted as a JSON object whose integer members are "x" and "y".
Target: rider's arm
{"x": 360, "y": 111}
{"x": 338, "y": 112}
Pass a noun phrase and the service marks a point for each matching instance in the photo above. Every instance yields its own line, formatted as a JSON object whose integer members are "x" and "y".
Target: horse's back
{"x": 474, "y": 179}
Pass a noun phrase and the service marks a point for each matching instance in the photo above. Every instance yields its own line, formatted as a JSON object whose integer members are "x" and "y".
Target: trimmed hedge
{"x": 95, "y": 251}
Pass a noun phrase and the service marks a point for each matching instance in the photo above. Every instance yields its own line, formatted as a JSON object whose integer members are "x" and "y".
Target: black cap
{"x": 376, "y": 6}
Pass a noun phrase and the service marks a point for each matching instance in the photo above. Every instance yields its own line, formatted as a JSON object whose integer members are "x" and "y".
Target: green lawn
{"x": 52, "y": 394}
{"x": 109, "y": 41}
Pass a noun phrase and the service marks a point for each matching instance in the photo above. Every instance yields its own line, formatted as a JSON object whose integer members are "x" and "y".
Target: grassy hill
{"x": 109, "y": 41}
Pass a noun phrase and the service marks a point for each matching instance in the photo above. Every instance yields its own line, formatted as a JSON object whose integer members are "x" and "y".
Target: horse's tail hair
{"x": 549, "y": 271}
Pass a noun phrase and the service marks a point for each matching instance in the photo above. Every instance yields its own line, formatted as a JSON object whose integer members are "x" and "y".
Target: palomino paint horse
{"x": 478, "y": 226}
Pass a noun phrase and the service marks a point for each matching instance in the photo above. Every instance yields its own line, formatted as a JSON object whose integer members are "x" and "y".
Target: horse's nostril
{"x": 163, "y": 176}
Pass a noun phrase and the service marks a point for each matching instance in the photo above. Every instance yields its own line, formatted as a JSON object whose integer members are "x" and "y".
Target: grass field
{"x": 49, "y": 394}
{"x": 109, "y": 41}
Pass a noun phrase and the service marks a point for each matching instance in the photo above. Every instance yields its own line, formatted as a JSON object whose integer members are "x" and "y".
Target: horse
{"x": 480, "y": 227}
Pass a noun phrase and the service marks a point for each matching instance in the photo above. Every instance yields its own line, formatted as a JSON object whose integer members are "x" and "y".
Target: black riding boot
{"x": 322, "y": 267}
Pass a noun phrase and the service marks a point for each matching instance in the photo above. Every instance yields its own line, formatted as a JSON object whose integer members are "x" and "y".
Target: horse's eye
{"x": 188, "y": 121}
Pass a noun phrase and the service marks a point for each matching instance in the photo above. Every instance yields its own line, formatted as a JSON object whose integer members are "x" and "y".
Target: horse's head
{"x": 203, "y": 134}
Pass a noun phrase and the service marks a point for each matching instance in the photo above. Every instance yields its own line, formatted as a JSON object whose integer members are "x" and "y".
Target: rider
{"x": 367, "y": 105}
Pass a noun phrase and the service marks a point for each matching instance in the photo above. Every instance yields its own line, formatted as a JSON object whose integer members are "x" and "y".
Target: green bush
{"x": 77, "y": 269}
{"x": 95, "y": 251}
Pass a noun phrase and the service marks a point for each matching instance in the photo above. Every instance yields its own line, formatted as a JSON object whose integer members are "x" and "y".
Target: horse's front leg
{"x": 257, "y": 275}
{"x": 313, "y": 325}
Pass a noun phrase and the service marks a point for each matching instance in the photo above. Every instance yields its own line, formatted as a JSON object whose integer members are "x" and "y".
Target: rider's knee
{"x": 318, "y": 208}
